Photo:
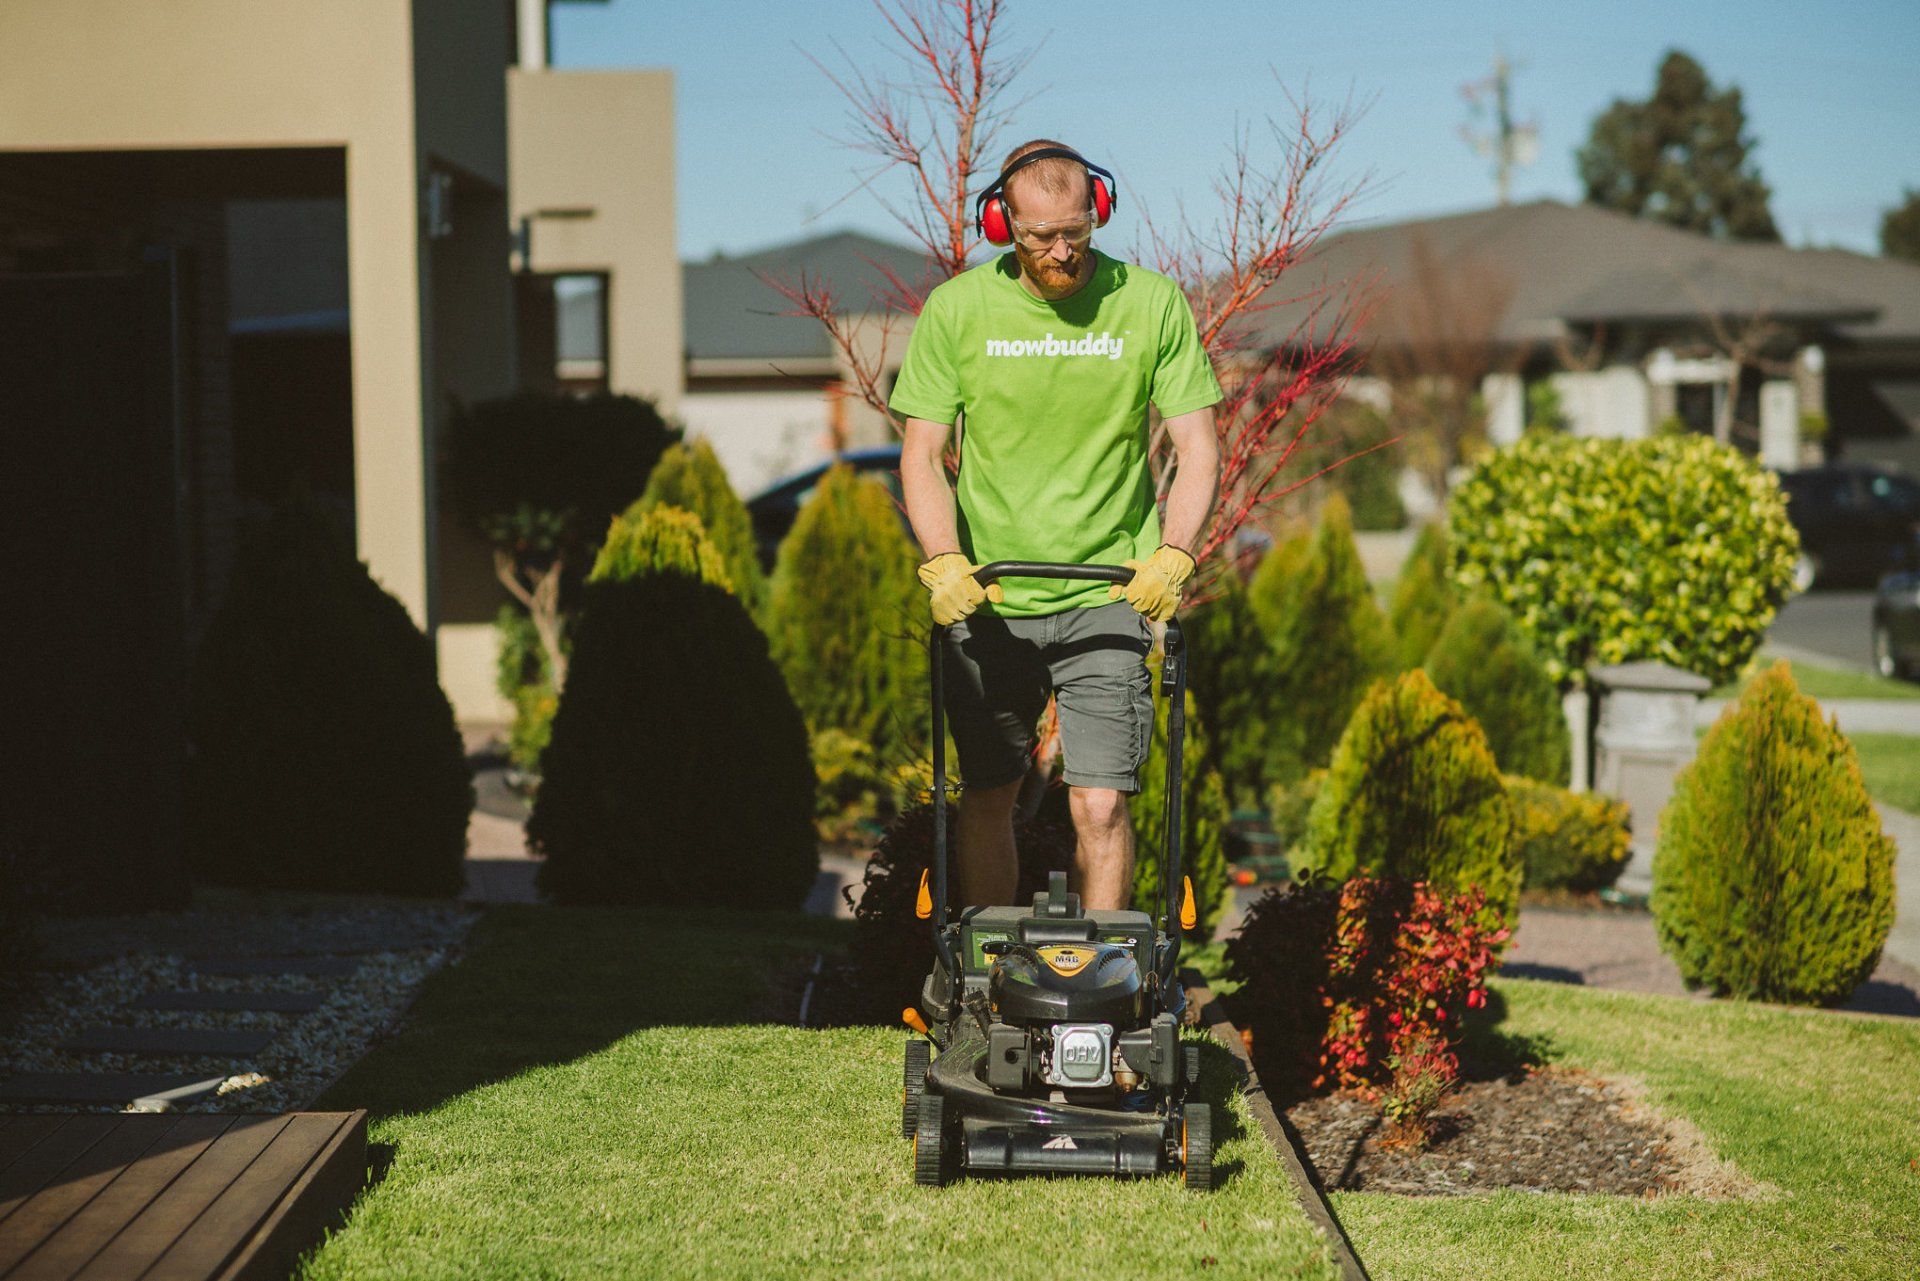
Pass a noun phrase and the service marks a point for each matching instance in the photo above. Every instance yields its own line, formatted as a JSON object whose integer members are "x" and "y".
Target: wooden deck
{"x": 112, "y": 1195}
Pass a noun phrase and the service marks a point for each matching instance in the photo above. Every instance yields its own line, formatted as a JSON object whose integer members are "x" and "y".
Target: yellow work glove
{"x": 1155, "y": 589}
{"x": 955, "y": 591}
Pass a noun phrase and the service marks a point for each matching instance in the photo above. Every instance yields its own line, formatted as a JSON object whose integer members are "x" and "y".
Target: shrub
{"x": 660, "y": 540}
{"x": 325, "y": 756}
{"x": 1204, "y": 817}
{"x": 1422, "y": 596}
{"x": 1566, "y": 840}
{"x": 1413, "y": 794}
{"x": 892, "y": 948}
{"x": 19, "y": 946}
{"x": 524, "y": 678}
{"x": 1330, "y": 642}
{"x": 1230, "y": 674}
{"x": 847, "y": 617}
{"x": 678, "y": 770}
{"x": 690, "y": 477}
{"x": 1671, "y": 548}
{"x": 1773, "y": 879}
{"x": 1273, "y": 593}
{"x": 1288, "y": 806}
{"x": 854, "y": 795}
{"x": 1360, "y": 984}
{"x": 1482, "y": 659}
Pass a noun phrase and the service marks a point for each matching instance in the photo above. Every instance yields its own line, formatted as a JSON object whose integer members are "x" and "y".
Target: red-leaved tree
{"x": 938, "y": 126}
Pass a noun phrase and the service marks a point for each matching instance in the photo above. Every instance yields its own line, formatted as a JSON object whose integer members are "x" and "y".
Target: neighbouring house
{"x": 244, "y": 240}
{"x": 770, "y": 390}
{"x": 1638, "y": 325}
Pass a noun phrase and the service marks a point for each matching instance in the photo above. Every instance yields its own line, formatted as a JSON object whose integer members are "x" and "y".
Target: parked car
{"x": 1896, "y": 620}
{"x": 1856, "y": 522}
{"x": 773, "y": 509}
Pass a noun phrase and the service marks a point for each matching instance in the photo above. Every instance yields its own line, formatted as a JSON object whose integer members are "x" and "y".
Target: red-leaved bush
{"x": 1360, "y": 983}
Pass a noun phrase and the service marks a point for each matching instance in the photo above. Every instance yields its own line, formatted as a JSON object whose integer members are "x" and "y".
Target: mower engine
{"x": 1068, "y": 1017}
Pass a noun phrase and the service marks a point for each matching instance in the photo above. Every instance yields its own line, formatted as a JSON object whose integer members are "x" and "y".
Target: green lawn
{"x": 1820, "y": 1105}
{"x": 1891, "y": 764}
{"x": 611, "y": 1093}
{"x": 1835, "y": 682}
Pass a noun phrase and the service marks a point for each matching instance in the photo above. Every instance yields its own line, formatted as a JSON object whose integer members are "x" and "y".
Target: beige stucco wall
{"x": 190, "y": 74}
{"x": 603, "y": 141}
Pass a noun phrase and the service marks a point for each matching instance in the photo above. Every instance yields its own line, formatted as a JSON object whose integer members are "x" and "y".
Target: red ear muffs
{"x": 994, "y": 224}
{"x": 994, "y": 220}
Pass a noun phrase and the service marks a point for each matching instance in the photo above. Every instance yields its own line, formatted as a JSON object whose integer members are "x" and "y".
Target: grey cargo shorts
{"x": 999, "y": 672}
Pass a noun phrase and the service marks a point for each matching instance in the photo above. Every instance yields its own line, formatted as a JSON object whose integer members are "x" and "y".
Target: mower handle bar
{"x": 1173, "y": 686}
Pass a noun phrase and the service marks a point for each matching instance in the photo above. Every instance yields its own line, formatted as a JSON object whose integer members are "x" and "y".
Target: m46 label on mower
{"x": 1066, "y": 960}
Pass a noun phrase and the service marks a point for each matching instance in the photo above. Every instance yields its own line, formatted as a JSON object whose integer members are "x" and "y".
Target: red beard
{"x": 1044, "y": 270}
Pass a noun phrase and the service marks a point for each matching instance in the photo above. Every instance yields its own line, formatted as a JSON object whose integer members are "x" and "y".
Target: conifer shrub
{"x": 678, "y": 771}
{"x": 1330, "y": 642}
{"x": 325, "y": 755}
{"x": 690, "y": 477}
{"x": 892, "y": 948}
{"x": 1773, "y": 880}
{"x": 1413, "y": 794}
{"x": 1274, "y": 589}
{"x": 1484, "y": 660}
{"x": 1669, "y": 548}
{"x": 848, "y": 618}
{"x": 658, "y": 540}
{"x": 19, "y": 912}
{"x": 1204, "y": 817}
{"x": 1288, "y": 806}
{"x": 1566, "y": 840}
{"x": 1422, "y": 596}
{"x": 1230, "y": 675}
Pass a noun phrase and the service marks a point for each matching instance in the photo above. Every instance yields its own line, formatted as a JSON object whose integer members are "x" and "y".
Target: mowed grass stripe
{"x": 738, "y": 1150}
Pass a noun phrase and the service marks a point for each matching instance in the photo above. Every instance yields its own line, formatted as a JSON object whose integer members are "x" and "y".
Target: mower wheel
{"x": 1190, "y": 1064}
{"x": 913, "y": 1081}
{"x": 930, "y": 1163}
{"x": 1196, "y": 1146}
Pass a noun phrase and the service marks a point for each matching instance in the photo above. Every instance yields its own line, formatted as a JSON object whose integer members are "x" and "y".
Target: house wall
{"x": 1614, "y": 401}
{"x": 760, "y": 435}
{"x": 131, "y": 75}
{"x": 600, "y": 144}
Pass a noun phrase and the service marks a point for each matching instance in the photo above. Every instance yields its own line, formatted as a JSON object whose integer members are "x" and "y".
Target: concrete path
{"x": 1904, "y": 943}
{"x": 1833, "y": 629}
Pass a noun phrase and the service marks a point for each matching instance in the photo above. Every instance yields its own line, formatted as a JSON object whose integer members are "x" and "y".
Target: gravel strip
{"x": 308, "y": 1051}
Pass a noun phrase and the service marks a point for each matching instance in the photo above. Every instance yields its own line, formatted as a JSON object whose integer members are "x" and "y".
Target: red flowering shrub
{"x": 1360, "y": 983}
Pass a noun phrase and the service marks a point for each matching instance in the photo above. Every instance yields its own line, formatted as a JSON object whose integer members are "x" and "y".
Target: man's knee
{"x": 990, "y": 802}
{"x": 1099, "y": 808}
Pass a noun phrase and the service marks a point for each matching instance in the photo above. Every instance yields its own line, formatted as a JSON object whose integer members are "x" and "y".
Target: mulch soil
{"x": 1541, "y": 1129}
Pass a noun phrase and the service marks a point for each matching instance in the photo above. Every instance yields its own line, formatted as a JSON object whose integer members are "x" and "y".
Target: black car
{"x": 1896, "y": 620}
{"x": 1855, "y": 521}
{"x": 773, "y": 509}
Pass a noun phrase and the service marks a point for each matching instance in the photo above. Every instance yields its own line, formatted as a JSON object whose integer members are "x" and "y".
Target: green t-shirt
{"x": 1053, "y": 452}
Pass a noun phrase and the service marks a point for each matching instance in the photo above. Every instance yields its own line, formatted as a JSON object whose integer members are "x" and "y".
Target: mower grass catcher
{"x": 1051, "y": 1042}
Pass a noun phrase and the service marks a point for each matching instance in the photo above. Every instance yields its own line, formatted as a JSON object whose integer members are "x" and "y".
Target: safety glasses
{"x": 1041, "y": 235}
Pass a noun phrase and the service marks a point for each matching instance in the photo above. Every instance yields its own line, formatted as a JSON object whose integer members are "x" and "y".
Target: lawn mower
{"x": 1051, "y": 1037}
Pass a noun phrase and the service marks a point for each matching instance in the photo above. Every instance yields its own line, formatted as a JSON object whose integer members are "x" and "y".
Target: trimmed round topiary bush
{"x": 1773, "y": 880}
{"x": 678, "y": 770}
{"x": 1422, "y": 596}
{"x": 1413, "y": 793}
{"x": 847, "y": 617}
{"x": 1670, "y": 548}
{"x": 1566, "y": 840}
{"x": 325, "y": 755}
{"x": 1330, "y": 641}
{"x": 1482, "y": 659}
{"x": 1204, "y": 817}
{"x": 691, "y": 478}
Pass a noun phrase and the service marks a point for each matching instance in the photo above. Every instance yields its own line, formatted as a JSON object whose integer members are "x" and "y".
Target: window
{"x": 580, "y": 332}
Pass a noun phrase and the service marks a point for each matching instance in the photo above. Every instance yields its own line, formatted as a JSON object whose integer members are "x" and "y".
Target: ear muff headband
{"x": 995, "y": 221}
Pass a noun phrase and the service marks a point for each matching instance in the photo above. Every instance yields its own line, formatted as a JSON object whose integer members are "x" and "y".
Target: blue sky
{"x": 1152, "y": 91}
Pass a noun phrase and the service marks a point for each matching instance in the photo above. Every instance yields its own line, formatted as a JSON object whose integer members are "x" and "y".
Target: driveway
{"x": 1829, "y": 627}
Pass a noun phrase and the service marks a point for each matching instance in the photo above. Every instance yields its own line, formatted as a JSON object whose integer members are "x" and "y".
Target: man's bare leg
{"x": 989, "y": 864}
{"x": 1103, "y": 851}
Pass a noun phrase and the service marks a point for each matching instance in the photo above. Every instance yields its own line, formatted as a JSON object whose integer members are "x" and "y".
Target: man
{"x": 1049, "y": 356}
